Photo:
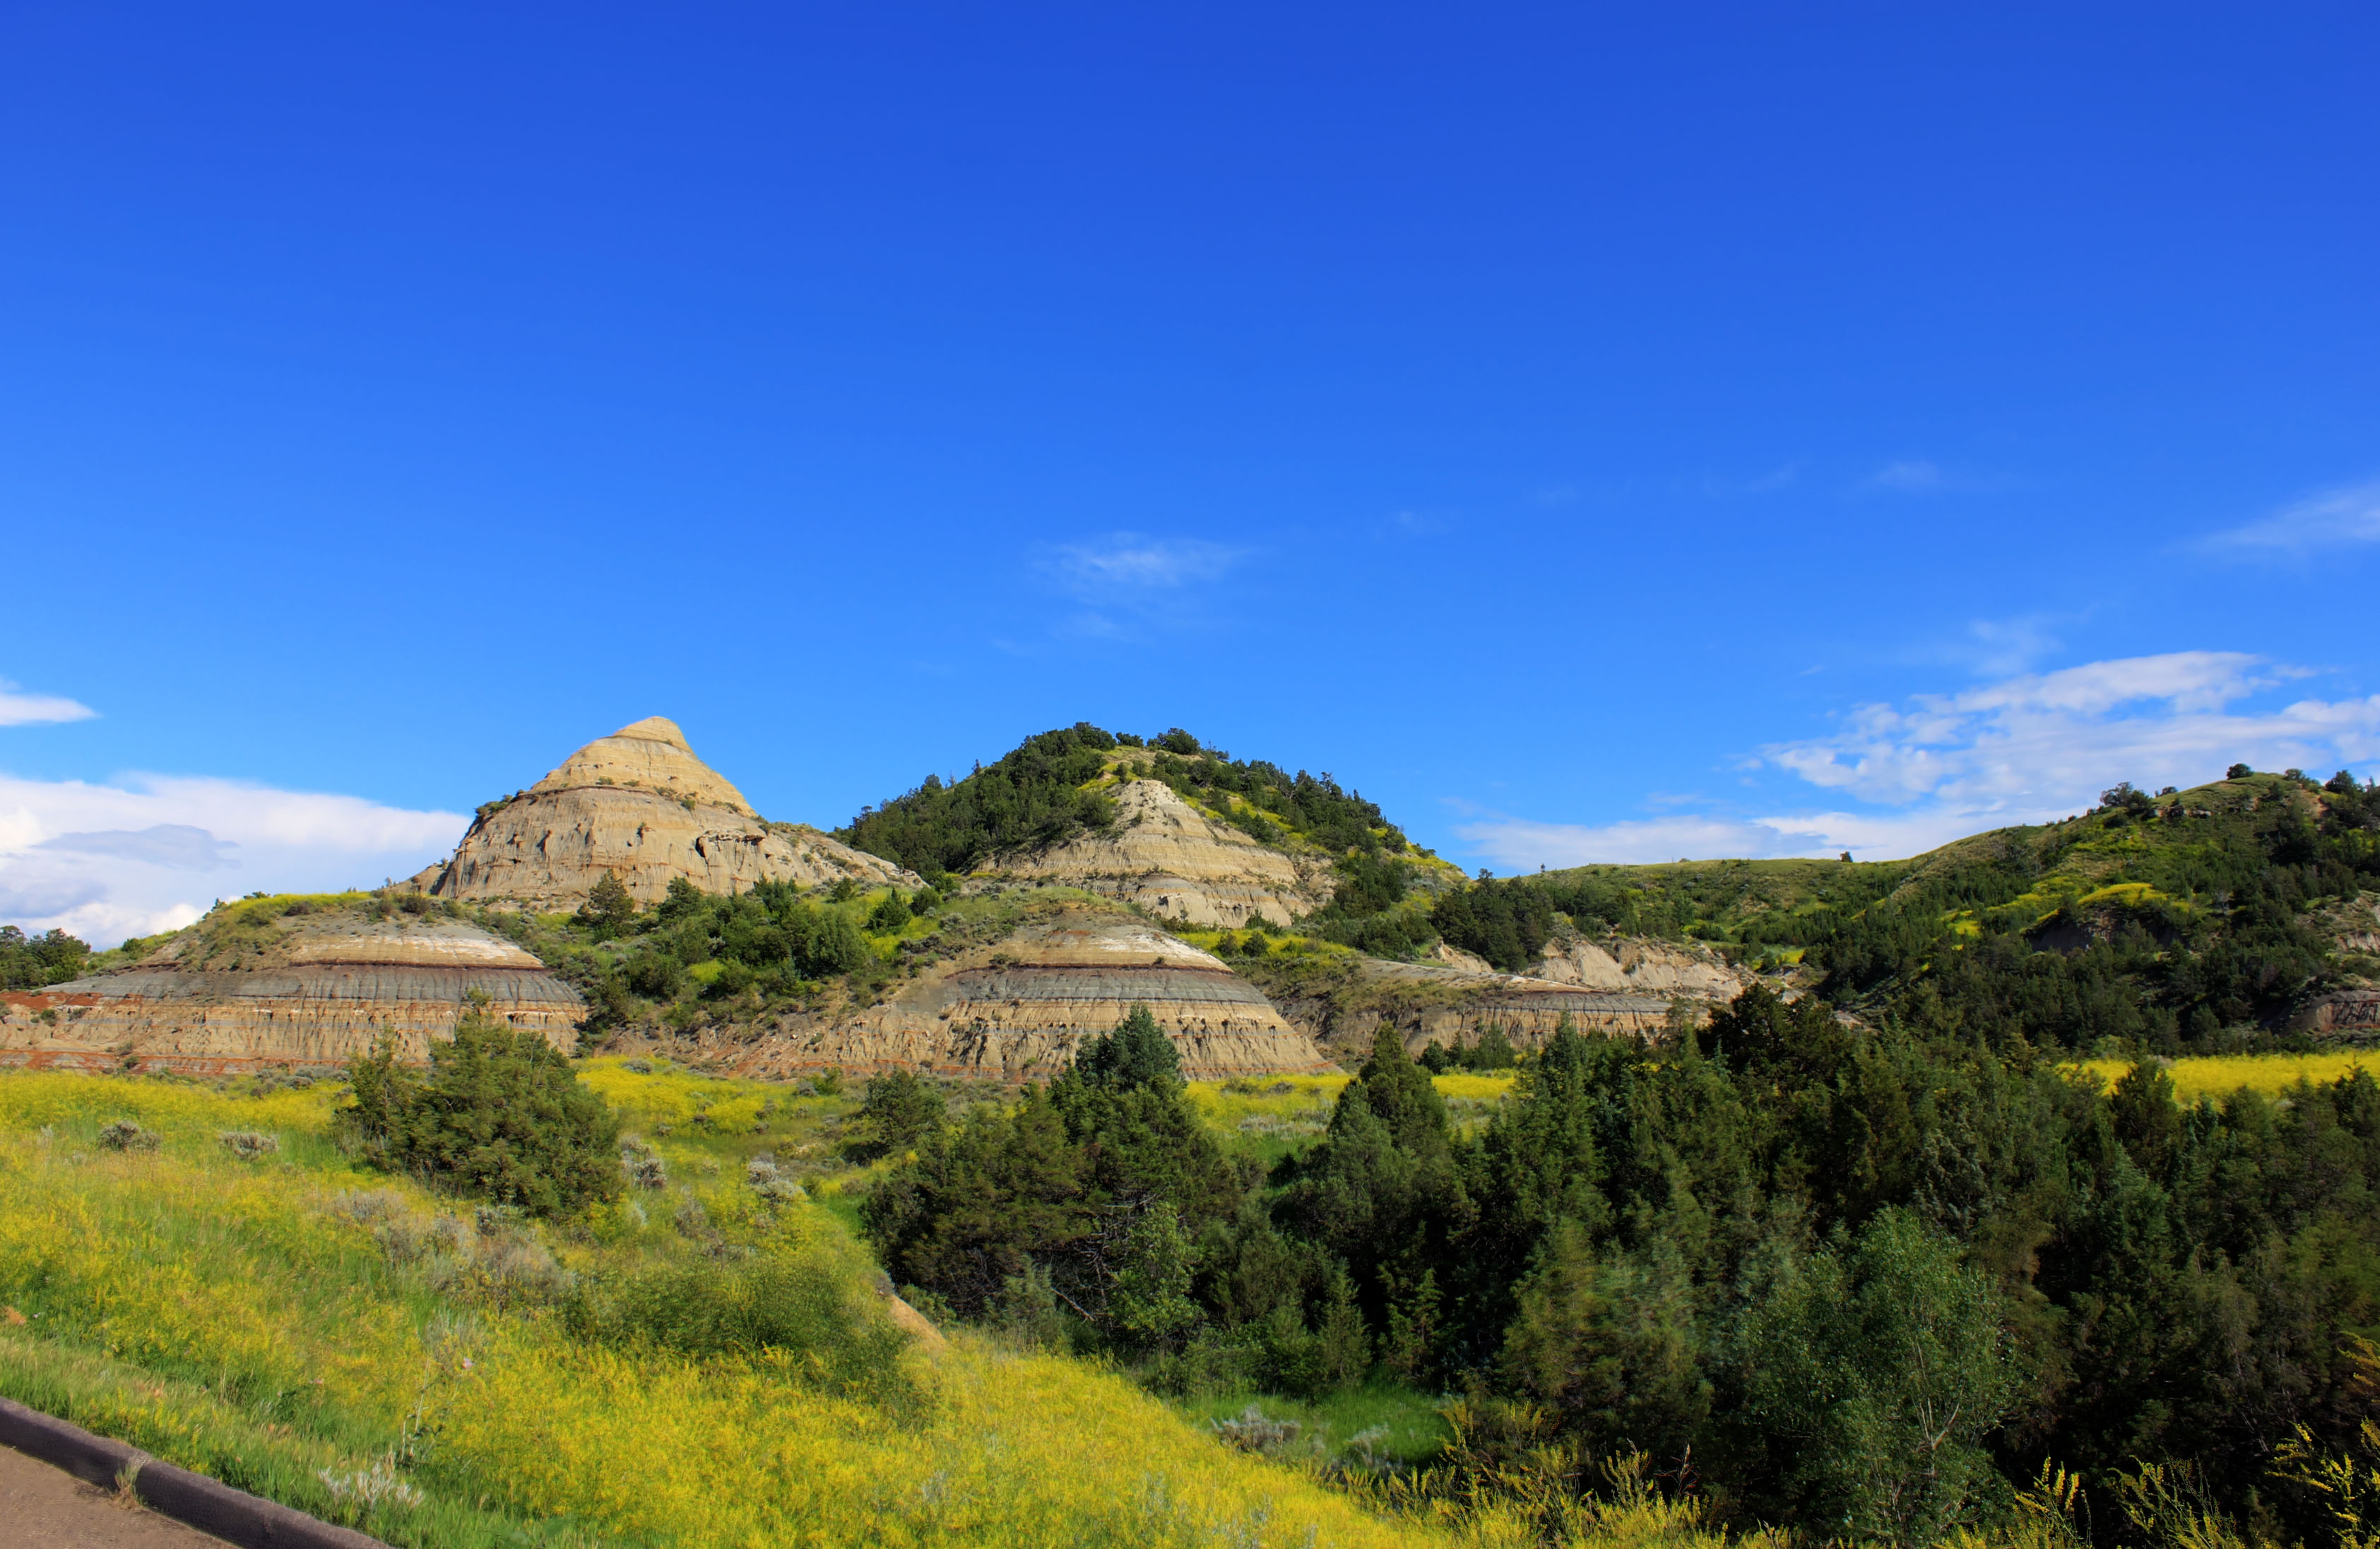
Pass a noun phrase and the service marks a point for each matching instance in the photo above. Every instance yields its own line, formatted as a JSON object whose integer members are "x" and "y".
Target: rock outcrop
{"x": 639, "y": 804}
{"x": 1640, "y": 967}
{"x": 1340, "y": 999}
{"x": 1020, "y": 1009}
{"x": 2339, "y": 1012}
{"x": 1172, "y": 860}
{"x": 244, "y": 989}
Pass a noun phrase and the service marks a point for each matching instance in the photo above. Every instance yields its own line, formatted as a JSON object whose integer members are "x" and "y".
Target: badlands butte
{"x": 1273, "y": 922}
{"x": 633, "y": 899}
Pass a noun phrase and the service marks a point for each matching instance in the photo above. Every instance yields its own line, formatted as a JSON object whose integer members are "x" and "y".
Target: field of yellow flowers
{"x": 241, "y": 1310}
{"x": 2219, "y": 1075}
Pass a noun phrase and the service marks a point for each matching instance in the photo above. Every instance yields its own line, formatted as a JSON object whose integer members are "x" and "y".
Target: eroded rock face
{"x": 1644, "y": 967}
{"x": 639, "y": 803}
{"x": 1165, "y": 855}
{"x": 1021, "y": 1009}
{"x": 313, "y": 991}
{"x": 2339, "y": 1012}
{"x": 1340, "y": 1002}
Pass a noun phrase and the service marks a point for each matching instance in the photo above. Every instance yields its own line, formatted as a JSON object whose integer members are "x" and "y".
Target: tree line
{"x": 1861, "y": 1279}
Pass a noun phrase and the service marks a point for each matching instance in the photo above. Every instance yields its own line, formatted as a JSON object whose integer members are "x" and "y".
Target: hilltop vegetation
{"x": 1048, "y": 788}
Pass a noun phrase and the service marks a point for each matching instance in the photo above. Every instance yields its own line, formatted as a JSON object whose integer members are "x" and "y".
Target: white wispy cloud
{"x": 1126, "y": 563}
{"x": 2026, "y": 749}
{"x": 149, "y": 852}
{"x": 2333, "y": 519}
{"x": 1130, "y": 584}
{"x": 19, "y": 708}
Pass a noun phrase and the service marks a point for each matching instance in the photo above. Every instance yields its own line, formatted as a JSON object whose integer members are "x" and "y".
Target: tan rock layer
{"x": 1343, "y": 1008}
{"x": 1644, "y": 967}
{"x": 1021, "y": 1010}
{"x": 638, "y": 804}
{"x": 652, "y": 754}
{"x": 1165, "y": 855}
{"x": 313, "y": 1015}
{"x": 548, "y": 851}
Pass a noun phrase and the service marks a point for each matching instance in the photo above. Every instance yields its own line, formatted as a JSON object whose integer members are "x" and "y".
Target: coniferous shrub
{"x": 499, "y": 1115}
{"x": 899, "y": 1110}
{"x": 609, "y": 907}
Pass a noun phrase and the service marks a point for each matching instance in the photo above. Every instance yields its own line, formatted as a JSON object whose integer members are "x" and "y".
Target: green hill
{"x": 1055, "y": 785}
{"x": 2197, "y": 919}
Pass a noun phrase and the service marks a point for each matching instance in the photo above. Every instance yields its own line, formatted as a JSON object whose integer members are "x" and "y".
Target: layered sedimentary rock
{"x": 1628, "y": 986}
{"x": 640, "y": 804}
{"x": 1170, "y": 858}
{"x": 1640, "y": 967}
{"x": 2339, "y": 1012}
{"x": 309, "y": 991}
{"x": 1022, "y": 1007}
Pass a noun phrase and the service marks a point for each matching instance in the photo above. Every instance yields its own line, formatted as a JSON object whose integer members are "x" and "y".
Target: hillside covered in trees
{"x": 2191, "y": 919}
{"x": 1862, "y": 1281}
{"x": 1047, "y": 790}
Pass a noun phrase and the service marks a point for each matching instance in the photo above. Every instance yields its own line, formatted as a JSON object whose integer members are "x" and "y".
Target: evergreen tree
{"x": 1137, "y": 1054}
{"x": 500, "y": 1116}
{"x": 608, "y": 907}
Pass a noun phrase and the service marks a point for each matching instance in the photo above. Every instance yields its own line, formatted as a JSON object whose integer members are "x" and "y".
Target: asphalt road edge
{"x": 208, "y": 1505}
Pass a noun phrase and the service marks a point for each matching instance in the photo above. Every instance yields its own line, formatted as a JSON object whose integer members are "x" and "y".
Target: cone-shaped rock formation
{"x": 246, "y": 987}
{"x": 638, "y": 803}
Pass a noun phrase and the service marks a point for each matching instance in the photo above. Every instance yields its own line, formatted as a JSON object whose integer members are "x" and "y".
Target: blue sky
{"x": 1593, "y": 432}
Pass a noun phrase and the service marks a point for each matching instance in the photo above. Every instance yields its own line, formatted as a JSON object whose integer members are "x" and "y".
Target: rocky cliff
{"x": 1019, "y": 1008}
{"x": 249, "y": 987}
{"x": 1173, "y": 860}
{"x": 638, "y": 803}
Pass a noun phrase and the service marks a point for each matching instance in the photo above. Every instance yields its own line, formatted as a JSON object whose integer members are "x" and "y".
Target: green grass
{"x": 1270, "y": 1117}
{"x": 1383, "y": 1420}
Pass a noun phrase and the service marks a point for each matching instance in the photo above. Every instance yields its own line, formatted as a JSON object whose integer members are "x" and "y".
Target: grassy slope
{"x": 226, "y": 1316}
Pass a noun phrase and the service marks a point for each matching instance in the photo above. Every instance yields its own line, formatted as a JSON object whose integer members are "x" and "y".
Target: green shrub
{"x": 500, "y": 1117}
{"x": 898, "y": 1111}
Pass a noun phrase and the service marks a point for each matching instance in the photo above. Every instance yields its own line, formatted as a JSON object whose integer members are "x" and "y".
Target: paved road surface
{"x": 43, "y": 1508}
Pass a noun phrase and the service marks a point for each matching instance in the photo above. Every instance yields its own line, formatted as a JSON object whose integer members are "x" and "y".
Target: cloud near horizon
{"x": 2028, "y": 749}
{"x": 149, "y": 853}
